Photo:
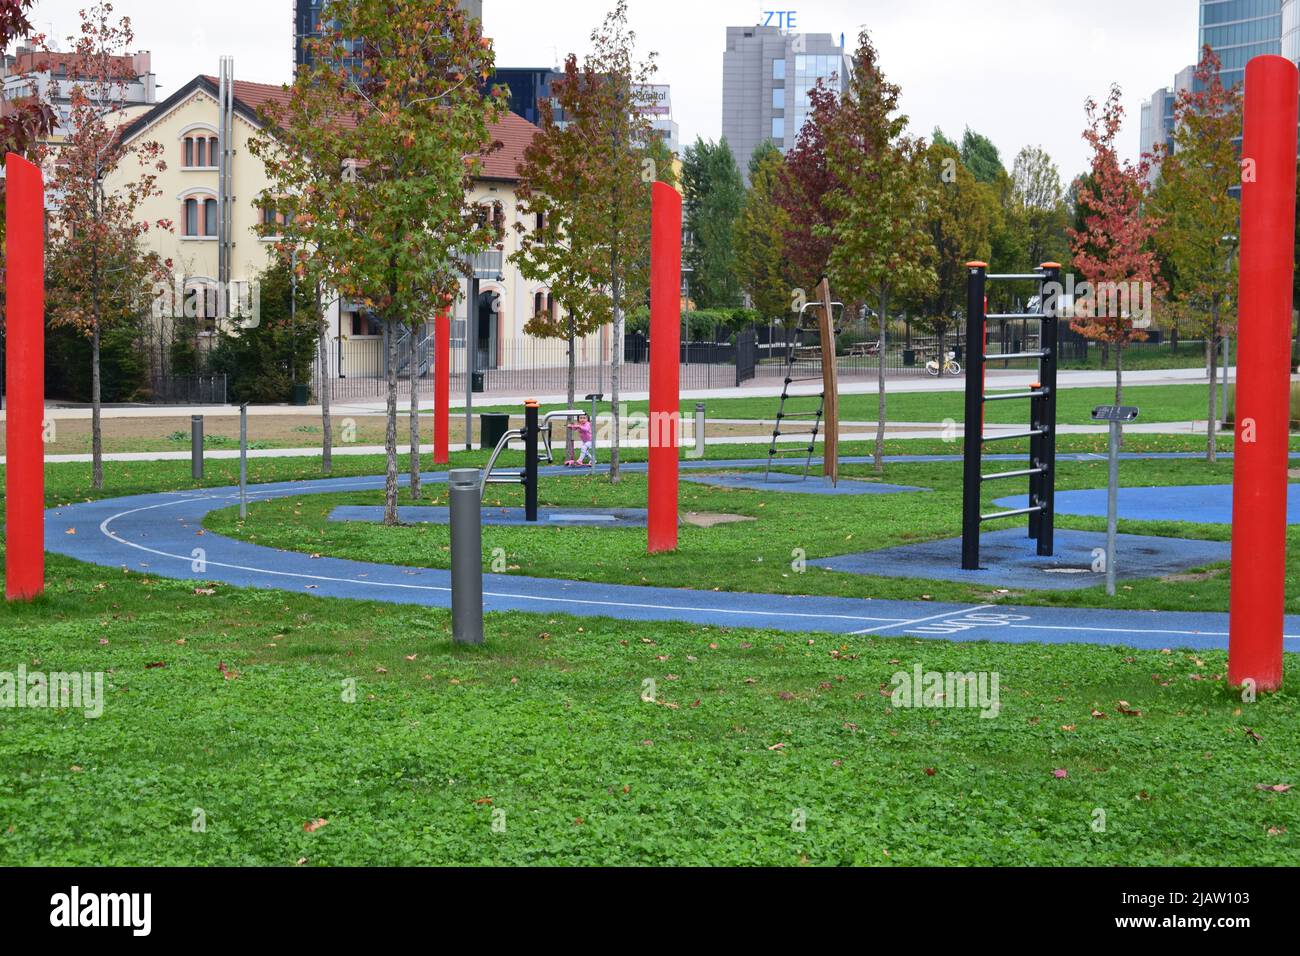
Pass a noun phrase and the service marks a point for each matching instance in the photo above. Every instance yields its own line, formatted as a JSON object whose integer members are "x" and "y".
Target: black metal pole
{"x": 973, "y": 443}
{"x": 1037, "y": 410}
{"x": 531, "y": 430}
{"x": 1047, "y": 444}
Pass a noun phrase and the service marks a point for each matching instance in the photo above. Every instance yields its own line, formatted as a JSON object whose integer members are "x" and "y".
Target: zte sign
{"x": 780, "y": 18}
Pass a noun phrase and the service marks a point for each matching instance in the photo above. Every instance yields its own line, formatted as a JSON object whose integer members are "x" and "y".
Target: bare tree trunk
{"x": 390, "y": 427}
{"x": 413, "y": 378}
{"x": 1211, "y": 425}
{"x": 615, "y": 370}
{"x": 573, "y": 392}
{"x": 880, "y": 382}
{"x": 326, "y": 387}
{"x": 96, "y": 432}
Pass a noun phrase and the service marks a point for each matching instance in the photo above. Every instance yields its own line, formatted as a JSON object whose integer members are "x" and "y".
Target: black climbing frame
{"x": 1042, "y": 410}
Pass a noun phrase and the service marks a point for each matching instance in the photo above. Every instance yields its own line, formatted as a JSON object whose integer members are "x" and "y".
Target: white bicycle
{"x": 950, "y": 366}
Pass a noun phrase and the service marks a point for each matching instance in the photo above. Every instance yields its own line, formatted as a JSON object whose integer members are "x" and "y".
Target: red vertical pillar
{"x": 1259, "y": 481}
{"x": 24, "y": 379}
{"x": 441, "y": 383}
{"x": 665, "y": 363}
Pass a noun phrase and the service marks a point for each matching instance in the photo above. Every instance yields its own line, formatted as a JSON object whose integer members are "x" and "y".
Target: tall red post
{"x": 665, "y": 363}
{"x": 24, "y": 379}
{"x": 1259, "y": 480}
{"x": 441, "y": 384}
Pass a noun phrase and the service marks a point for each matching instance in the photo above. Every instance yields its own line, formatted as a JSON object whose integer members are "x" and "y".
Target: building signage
{"x": 654, "y": 99}
{"x": 783, "y": 19}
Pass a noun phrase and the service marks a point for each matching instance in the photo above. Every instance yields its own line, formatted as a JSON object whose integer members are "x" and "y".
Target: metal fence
{"x": 189, "y": 390}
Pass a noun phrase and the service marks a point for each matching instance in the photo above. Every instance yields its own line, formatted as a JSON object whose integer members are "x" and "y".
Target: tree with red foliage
{"x": 1113, "y": 250}
{"x": 802, "y": 187}
{"x": 23, "y": 121}
{"x": 98, "y": 274}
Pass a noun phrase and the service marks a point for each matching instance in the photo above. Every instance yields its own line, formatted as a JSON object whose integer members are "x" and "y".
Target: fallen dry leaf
{"x": 311, "y": 826}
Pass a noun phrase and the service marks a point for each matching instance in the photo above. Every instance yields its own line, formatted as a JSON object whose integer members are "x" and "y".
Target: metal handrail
{"x": 492, "y": 459}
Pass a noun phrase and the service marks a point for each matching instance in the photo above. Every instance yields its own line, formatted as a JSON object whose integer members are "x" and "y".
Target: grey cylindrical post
{"x": 243, "y": 461}
{"x": 699, "y": 429}
{"x": 1112, "y": 507}
{"x": 466, "y": 557}
{"x": 196, "y": 446}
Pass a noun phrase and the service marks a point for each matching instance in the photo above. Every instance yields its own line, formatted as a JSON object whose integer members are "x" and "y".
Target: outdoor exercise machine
{"x": 536, "y": 436}
{"x": 24, "y": 379}
{"x": 1042, "y": 412}
{"x": 1259, "y": 481}
{"x": 816, "y": 318}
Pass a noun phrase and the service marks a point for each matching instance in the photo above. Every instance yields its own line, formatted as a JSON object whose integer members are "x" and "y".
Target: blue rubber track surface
{"x": 1202, "y": 504}
{"x": 162, "y": 534}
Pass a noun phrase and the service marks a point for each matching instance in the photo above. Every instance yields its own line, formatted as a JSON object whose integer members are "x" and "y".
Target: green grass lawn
{"x": 259, "y": 712}
{"x": 757, "y": 555}
{"x": 1159, "y": 403}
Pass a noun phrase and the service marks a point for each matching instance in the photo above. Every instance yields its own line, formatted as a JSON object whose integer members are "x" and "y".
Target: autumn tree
{"x": 97, "y": 272}
{"x": 878, "y": 243}
{"x": 1113, "y": 251}
{"x": 618, "y": 135}
{"x": 761, "y": 264}
{"x": 406, "y": 123}
{"x": 24, "y": 119}
{"x": 802, "y": 187}
{"x": 294, "y": 176}
{"x": 1200, "y": 216}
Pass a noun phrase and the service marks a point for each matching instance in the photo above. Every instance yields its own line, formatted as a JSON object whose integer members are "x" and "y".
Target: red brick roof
{"x": 512, "y": 131}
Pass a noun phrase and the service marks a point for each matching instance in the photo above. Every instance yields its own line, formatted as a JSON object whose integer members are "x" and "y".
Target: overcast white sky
{"x": 1016, "y": 70}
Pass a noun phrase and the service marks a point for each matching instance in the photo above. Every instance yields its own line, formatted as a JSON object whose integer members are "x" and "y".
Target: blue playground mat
{"x": 1010, "y": 560}
{"x": 812, "y": 485}
{"x": 1203, "y": 504}
{"x": 546, "y": 517}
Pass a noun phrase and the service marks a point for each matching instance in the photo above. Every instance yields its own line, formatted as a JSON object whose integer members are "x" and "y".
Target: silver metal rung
{"x": 516, "y": 478}
{"x": 1011, "y": 514}
{"x": 1012, "y": 277}
{"x": 1010, "y": 395}
{"x": 1029, "y": 434}
{"x": 1014, "y": 474}
{"x": 1014, "y": 355}
{"x": 1014, "y": 315}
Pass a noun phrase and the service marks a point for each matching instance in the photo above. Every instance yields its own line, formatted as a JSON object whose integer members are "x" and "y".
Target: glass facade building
{"x": 1238, "y": 30}
{"x": 766, "y": 77}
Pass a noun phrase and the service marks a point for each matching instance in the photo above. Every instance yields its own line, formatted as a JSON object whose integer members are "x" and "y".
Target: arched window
{"x": 550, "y": 304}
{"x": 209, "y": 217}
{"x": 191, "y": 217}
{"x": 199, "y": 150}
{"x": 539, "y": 303}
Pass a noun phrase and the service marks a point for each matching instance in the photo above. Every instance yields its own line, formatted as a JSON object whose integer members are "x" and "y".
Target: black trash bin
{"x": 476, "y": 381}
{"x": 909, "y": 356}
{"x": 301, "y": 393}
{"x": 492, "y": 425}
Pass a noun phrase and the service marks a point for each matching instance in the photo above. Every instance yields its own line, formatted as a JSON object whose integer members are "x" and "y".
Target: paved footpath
{"x": 162, "y": 534}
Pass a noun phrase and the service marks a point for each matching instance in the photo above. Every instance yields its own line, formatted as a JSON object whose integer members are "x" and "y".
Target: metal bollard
{"x": 243, "y": 461}
{"x": 530, "y": 460}
{"x": 196, "y": 447}
{"x": 466, "y": 556}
